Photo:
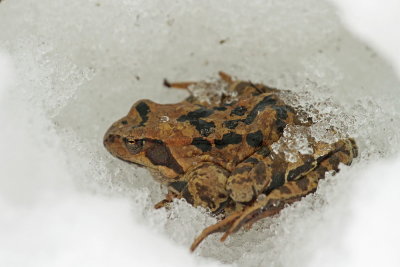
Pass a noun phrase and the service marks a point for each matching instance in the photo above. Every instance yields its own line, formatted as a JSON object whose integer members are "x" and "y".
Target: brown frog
{"x": 217, "y": 153}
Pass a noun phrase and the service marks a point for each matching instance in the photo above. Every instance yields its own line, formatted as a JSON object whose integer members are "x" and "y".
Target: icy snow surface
{"x": 68, "y": 69}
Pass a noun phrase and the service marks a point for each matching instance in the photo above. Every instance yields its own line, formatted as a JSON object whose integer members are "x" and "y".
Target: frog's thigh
{"x": 263, "y": 173}
{"x": 344, "y": 151}
{"x": 252, "y": 176}
{"x": 206, "y": 186}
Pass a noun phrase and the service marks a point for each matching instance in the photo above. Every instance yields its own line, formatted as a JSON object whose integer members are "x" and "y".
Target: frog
{"x": 216, "y": 152}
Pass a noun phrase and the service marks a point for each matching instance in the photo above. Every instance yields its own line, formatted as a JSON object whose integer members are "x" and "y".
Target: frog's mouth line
{"x": 139, "y": 165}
{"x": 130, "y": 162}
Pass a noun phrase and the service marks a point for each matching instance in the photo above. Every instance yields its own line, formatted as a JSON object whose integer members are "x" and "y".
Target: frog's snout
{"x": 111, "y": 139}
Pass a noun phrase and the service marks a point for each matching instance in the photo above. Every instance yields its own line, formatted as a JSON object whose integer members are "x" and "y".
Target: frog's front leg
{"x": 171, "y": 195}
{"x": 174, "y": 191}
{"x": 203, "y": 185}
{"x": 342, "y": 151}
{"x": 206, "y": 186}
{"x": 292, "y": 190}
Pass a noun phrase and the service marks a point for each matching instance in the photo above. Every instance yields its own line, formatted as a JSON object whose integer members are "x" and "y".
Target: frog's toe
{"x": 162, "y": 204}
{"x": 252, "y": 214}
{"x": 166, "y": 202}
{"x": 218, "y": 227}
{"x": 236, "y": 220}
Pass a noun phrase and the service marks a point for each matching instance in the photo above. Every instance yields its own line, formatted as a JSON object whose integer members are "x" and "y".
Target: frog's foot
{"x": 165, "y": 202}
{"x": 185, "y": 85}
{"x": 269, "y": 206}
{"x": 258, "y": 211}
{"x": 220, "y": 226}
{"x": 234, "y": 221}
{"x": 178, "y": 85}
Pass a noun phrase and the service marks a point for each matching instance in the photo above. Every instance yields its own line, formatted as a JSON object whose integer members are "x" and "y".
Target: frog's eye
{"x": 134, "y": 145}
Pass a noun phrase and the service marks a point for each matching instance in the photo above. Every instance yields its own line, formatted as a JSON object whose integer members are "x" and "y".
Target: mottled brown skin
{"x": 217, "y": 154}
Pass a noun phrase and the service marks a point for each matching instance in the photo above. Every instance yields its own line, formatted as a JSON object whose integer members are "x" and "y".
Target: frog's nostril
{"x": 110, "y": 138}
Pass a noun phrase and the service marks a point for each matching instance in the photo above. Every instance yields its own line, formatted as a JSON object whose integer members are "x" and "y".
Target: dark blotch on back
{"x": 232, "y": 124}
{"x": 255, "y": 139}
{"x": 202, "y": 144}
{"x": 269, "y": 100}
{"x": 197, "y": 114}
{"x": 204, "y": 128}
{"x": 159, "y": 154}
{"x": 266, "y": 101}
{"x": 220, "y": 108}
{"x": 143, "y": 110}
{"x": 194, "y": 118}
{"x": 239, "y": 111}
{"x": 228, "y": 139}
{"x": 281, "y": 112}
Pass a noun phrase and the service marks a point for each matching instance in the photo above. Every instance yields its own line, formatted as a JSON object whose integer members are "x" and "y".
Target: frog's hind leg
{"x": 171, "y": 195}
{"x": 260, "y": 209}
{"x": 224, "y": 225}
{"x": 178, "y": 85}
{"x": 275, "y": 202}
{"x": 220, "y": 226}
{"x": 344, "y": 151}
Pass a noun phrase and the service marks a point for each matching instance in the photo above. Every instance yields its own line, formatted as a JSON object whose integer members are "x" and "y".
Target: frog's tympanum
{"x": 217, "y": 152}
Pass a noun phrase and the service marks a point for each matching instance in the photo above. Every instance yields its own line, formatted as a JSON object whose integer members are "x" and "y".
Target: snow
{"x": 68, "y": 69}
{"x": 376, "y": 22}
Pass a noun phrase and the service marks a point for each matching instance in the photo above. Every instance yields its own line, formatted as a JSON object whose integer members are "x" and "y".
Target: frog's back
{"x": 224, "y": 134}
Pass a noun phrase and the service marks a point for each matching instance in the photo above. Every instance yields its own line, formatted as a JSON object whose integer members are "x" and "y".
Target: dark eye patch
{"x": 159, "y": 154}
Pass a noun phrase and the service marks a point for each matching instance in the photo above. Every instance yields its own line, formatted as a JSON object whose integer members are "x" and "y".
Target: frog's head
{"x": 137, "y": 138}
